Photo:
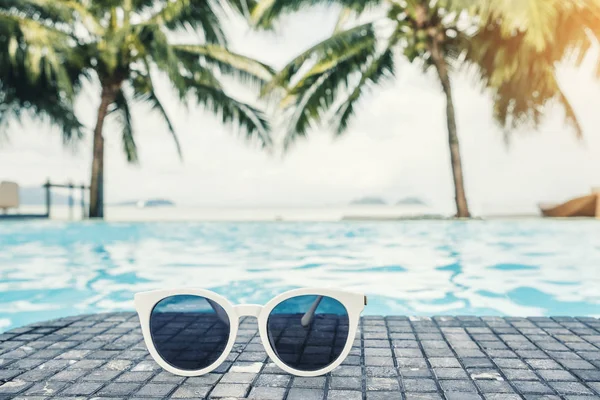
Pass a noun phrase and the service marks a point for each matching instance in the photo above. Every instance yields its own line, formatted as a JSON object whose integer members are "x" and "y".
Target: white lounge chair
{"x": 9, "y": 196}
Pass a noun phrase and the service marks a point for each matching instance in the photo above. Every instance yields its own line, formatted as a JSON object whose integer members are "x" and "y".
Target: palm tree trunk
{"x": 462, "y": 208}
{"x": 97, "y": 180}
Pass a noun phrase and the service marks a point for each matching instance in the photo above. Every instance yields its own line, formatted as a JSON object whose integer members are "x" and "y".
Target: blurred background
{"x": 328, "y": 125}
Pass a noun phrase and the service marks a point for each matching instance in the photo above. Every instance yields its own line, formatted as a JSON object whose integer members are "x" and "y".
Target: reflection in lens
{"x": 308, "y": 333}
{"x": 189, "y": 332}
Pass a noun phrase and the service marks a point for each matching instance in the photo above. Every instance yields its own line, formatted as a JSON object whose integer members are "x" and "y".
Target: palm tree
{"x": 122, "y": 44}
{"x": 325, "y": 82}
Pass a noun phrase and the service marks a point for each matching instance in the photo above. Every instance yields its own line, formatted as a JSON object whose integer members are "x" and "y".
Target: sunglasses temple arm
{"x": 308, "y": 317}
{"x": 219, "y": 311}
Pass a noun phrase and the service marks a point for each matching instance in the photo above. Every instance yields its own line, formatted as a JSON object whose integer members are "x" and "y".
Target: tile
{"x": 267, "y": 393}
{"x": 305, "y": 394}
{"x": 439, "y": 358}
{"x": 229, "y": 390}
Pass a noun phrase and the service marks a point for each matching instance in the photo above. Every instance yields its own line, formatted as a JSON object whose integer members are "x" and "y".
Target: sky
{"x": 396, "y": 146}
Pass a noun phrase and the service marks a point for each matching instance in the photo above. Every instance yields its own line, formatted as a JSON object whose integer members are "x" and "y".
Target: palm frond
{"x": 266, "y": 12}
{"x": 73, "y": 11}
{"x": 376, "y": 70}
{"x": 533, "y": 19}
{"x": 570, "y": 114}
{"x": 356, "y": 39}
{"x": 22, "y": 98}
{"x": 345, "y": 15}
{"x": 38, "y": 48}
{"x": 244, "y": 68}
{"x": 247, "y": 119}
{"x": 123, "y": 117}
{"x": 59, "y": 14}
{"x": 521, "y": 78}
{"x": 317, "y": 91}
{"x": 38, "y": 73}
{"x": 243, "y": 7}
{"x": 190, "y": 15}
{"x": 159, "y": 52}
{"x": 144, "y": 91}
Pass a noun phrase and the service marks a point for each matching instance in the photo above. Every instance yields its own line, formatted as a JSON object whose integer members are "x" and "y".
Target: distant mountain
{"x": 411, "y": 201}
{"x": 369, "y": 201}
{"x": 36, "y": 196}
{"x": 148, "y": 203}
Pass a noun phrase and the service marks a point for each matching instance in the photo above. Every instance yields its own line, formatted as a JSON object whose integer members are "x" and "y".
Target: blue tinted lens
{"x": 308, "y": 333}
{"x": 189, "y": 332}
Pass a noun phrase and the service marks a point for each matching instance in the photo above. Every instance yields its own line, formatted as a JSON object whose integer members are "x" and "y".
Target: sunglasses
{"x": 306, "y": 332}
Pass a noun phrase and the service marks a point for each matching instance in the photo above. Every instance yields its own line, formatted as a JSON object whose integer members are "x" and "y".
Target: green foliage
{"x": 512, "y": 47}
{"x": 38, "y": 77}
{"x": 374, "y": 72}
{"x": 48, "y": 47}
{"x": 518, "y": 49}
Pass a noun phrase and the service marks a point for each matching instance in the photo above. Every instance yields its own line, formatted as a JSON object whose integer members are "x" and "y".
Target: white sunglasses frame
{"x": 146, "y": 301}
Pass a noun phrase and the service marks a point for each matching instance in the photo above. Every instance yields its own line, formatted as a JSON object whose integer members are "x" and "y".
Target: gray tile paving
{"x": 441, "y": 358}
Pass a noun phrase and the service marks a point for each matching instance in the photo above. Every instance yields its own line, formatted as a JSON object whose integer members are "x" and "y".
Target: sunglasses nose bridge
{"x": 248, "y": 310}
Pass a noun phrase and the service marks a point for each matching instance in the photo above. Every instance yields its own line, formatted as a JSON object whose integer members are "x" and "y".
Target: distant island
{"x": 411, "y": 201}
{"x": 148, "y": 203}
{"x": 368, "y": 201}
{"x": 36, "y": 196}
{"x": 378, "y": 201}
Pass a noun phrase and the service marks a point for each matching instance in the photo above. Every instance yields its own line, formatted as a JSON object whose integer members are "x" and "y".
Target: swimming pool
{"x": 521, "y": 268}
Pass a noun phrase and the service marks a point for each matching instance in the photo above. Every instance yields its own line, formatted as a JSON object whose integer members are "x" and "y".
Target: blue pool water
{"x": 521, "y": 268}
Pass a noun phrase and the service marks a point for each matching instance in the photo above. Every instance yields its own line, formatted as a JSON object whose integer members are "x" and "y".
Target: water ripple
{"x": 50, "y": 269}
